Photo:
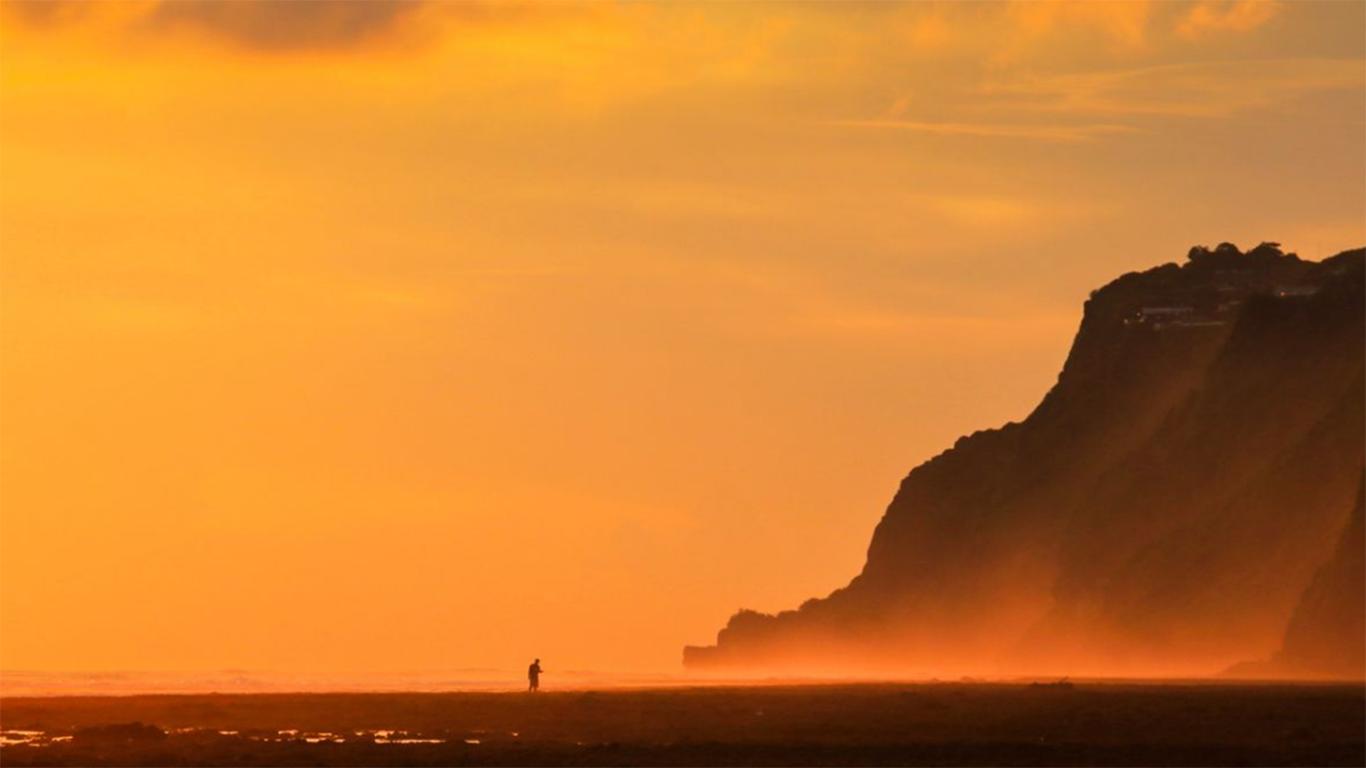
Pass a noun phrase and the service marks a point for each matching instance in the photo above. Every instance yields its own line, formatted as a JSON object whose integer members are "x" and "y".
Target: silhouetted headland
{"x": 1180, "y": 503}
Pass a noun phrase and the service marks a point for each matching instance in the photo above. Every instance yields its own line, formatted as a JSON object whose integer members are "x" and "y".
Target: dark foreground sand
{"x": 928, "y": 724}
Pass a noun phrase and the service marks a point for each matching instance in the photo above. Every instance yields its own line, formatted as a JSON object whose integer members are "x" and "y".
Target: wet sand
{"x": 867, "y": 724}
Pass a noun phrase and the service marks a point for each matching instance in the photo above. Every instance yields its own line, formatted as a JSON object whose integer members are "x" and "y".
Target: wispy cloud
{"x": 1038, "y": 132}
{"x": 1215, "y": 89}
{"x": 1035, "y": 24}
{"x": 1217, "y": 16}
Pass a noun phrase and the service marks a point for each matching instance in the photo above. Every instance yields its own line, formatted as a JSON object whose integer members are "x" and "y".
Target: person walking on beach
{"x": 533, "y": 676}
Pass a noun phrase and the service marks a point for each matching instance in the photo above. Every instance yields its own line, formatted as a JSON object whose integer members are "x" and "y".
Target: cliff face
{"x": 1325, "y": 636}
{"x": 1162, "y": 511}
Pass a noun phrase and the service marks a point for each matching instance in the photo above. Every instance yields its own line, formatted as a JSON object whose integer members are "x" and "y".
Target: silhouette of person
{"x": 533, "y": 676}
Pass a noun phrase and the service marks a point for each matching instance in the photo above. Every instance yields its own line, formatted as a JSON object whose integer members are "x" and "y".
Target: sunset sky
{"x": 348, "y": 337}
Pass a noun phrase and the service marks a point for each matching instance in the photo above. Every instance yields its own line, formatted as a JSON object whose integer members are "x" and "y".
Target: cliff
{"x": 1163, "y": 511}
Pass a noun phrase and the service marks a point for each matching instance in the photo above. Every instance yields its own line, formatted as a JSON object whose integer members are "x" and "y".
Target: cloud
{"x": 1184, "y": 90}
{"x": 283, "y": 25}
{"x": 1216, "y": 16}
{"x": 1040, "y": 21}
{"x": 42, "y": 13}
{"x": 1063, "y": 133}
{"x": 270, "y": 26}
{"x": 1032, "y": 31}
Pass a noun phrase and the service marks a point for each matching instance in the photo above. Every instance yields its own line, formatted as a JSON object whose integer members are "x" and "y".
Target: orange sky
{"x": 360, "y": 338}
